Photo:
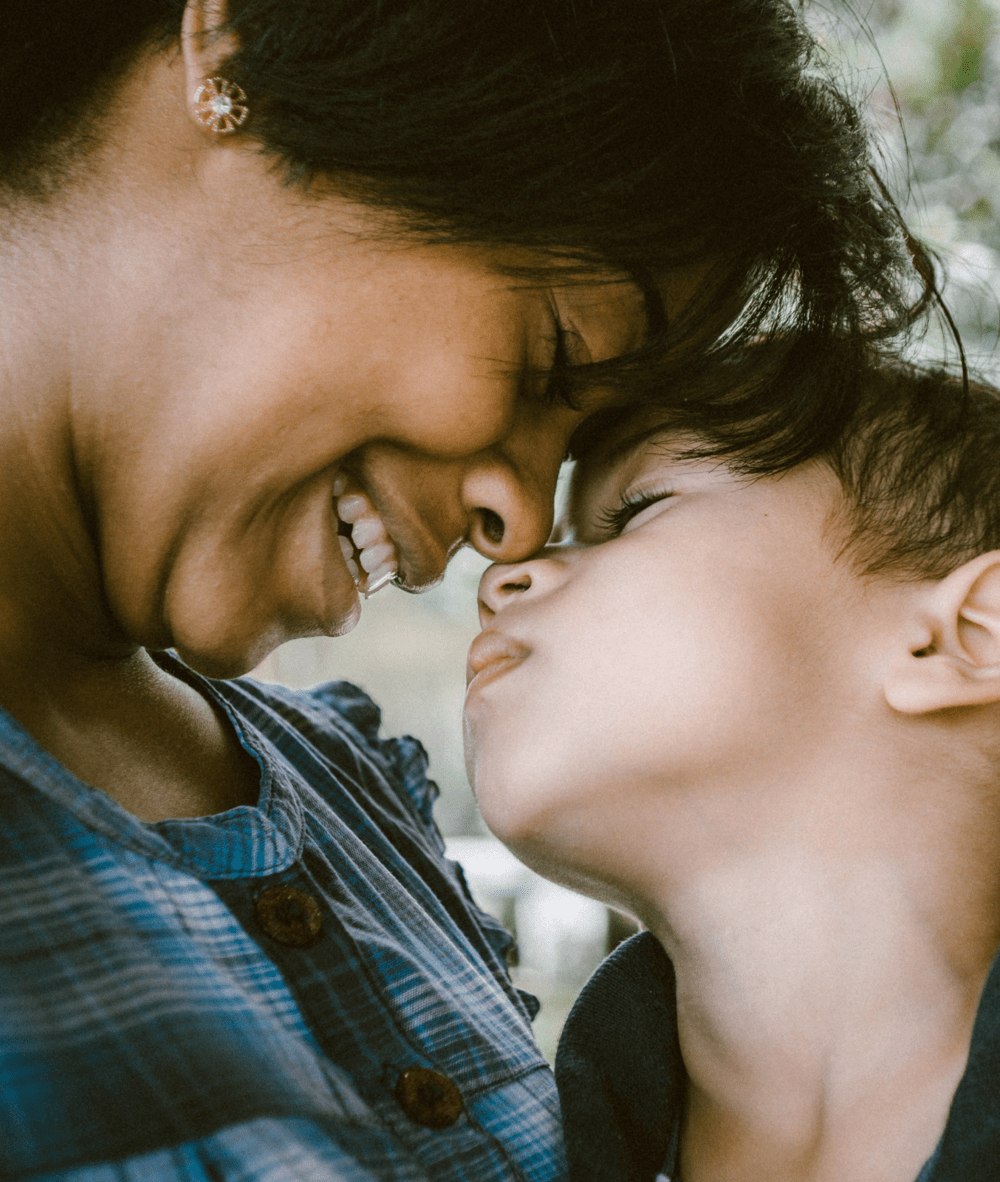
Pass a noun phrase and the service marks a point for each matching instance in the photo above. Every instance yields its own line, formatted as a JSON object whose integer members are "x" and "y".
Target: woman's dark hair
{"x": 633, "y": 135}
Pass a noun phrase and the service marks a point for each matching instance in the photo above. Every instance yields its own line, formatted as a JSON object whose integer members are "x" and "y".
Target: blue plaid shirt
{"x": 152, "y": 1028}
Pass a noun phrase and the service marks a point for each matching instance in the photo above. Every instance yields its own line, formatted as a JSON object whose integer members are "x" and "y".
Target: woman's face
{"x": 291, "y": 355}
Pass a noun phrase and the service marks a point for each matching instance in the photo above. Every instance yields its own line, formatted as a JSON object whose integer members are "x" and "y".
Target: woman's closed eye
{"x": 634, "y": 510}
{"x": 559, "y": 389}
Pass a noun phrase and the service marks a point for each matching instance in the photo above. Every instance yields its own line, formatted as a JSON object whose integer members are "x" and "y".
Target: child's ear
{"x": 953, "y": 658}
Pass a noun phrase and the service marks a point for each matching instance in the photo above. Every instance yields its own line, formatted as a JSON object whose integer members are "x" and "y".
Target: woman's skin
{"x": 195, "y": 358}
{"x": 786, "y": 771}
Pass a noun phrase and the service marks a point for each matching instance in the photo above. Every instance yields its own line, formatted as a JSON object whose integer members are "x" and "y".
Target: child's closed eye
{"x": 614, "y": 521}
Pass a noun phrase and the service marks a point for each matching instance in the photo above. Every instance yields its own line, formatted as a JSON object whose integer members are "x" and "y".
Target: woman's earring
{"x": 221, "y": 105}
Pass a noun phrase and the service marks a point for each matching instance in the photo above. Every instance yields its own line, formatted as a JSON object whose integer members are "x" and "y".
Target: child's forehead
{"x": 609, "y": 463}
{"x": 644, "y": 452}
{"x": 620, "y": 440}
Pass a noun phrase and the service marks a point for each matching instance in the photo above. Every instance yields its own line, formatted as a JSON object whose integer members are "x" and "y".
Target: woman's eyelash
{"x": 559, "y": 387}
{"x": 613, "y": 521}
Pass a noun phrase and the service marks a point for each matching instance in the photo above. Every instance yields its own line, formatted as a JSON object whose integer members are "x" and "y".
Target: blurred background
{"x": 934, "y": 65}
{"x": 926, "y": 72}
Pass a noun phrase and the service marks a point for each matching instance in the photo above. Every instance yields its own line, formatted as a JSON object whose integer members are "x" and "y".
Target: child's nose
{"x": 500, "y": 583}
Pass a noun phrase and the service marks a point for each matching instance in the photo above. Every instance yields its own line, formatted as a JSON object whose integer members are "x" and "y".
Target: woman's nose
{"x": 510, "y": 511}
{"x": 509, "y": 492}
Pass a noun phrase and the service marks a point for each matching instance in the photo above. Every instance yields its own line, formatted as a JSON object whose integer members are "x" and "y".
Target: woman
{"x": 297, "y": 299}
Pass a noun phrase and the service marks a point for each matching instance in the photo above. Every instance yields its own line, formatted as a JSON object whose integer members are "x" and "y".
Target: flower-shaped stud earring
{"x": 221, "y": 105}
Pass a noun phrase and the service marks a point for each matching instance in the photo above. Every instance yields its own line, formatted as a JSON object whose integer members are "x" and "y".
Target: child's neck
{"x": 825, "y": 1007}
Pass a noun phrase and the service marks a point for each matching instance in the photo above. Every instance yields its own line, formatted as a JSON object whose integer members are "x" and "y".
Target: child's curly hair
{"x": 920, "y": 466}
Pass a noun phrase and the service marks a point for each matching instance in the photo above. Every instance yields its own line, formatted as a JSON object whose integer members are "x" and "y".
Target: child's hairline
{"x": 843, "y": 528}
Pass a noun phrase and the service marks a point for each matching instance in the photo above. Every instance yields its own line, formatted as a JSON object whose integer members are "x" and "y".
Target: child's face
{"x": 699, "y": 645}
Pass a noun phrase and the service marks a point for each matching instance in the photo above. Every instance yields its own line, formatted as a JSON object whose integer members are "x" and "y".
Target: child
{"x": 762, "y": 713}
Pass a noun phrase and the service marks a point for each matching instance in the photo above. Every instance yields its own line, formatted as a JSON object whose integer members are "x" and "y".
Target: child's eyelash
{"x": 613, "y": 521}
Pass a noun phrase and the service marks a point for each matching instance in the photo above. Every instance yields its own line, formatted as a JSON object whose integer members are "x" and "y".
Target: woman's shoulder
{"x": 342, "y": 722}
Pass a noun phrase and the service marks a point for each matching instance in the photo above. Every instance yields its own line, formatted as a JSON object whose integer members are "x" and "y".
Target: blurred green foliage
{"x": 927, "y": 73}
{"x": 962, "y": 52}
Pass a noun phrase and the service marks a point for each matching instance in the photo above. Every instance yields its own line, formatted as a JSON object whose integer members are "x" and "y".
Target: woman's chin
{"x": 232, "y": 657}
{"x": 216, "y": 667}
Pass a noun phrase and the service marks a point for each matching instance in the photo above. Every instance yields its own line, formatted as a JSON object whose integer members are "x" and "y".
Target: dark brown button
{"x": 289, "y": 916}
{"x": 428, "y": 1098}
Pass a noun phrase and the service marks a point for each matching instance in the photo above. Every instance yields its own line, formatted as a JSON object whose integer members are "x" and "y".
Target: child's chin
{"x": 514, "y": 822}
{"x": 529, "y": 833}
{"x": 502, "y": 821}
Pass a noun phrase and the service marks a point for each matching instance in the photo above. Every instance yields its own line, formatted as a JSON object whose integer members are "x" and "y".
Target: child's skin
{"x": 787, "y": 771}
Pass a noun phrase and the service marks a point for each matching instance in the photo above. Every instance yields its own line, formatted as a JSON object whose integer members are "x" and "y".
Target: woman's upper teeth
{"x": 352, "y": 505}
{"x": 369, "y": 546}
{"x": 375, "y": 556}
{"x": 367, "y": 531}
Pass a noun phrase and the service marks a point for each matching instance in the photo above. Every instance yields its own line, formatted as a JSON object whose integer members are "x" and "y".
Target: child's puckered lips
{"x": 493, "y": 652}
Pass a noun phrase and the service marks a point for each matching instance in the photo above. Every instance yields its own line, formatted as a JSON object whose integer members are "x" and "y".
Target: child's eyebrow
{"x": 614, "y": 426}
{"x": 625, "y": 447}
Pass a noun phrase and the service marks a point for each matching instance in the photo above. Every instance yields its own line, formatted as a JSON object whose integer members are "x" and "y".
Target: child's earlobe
{"x": 953, "y": 658}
